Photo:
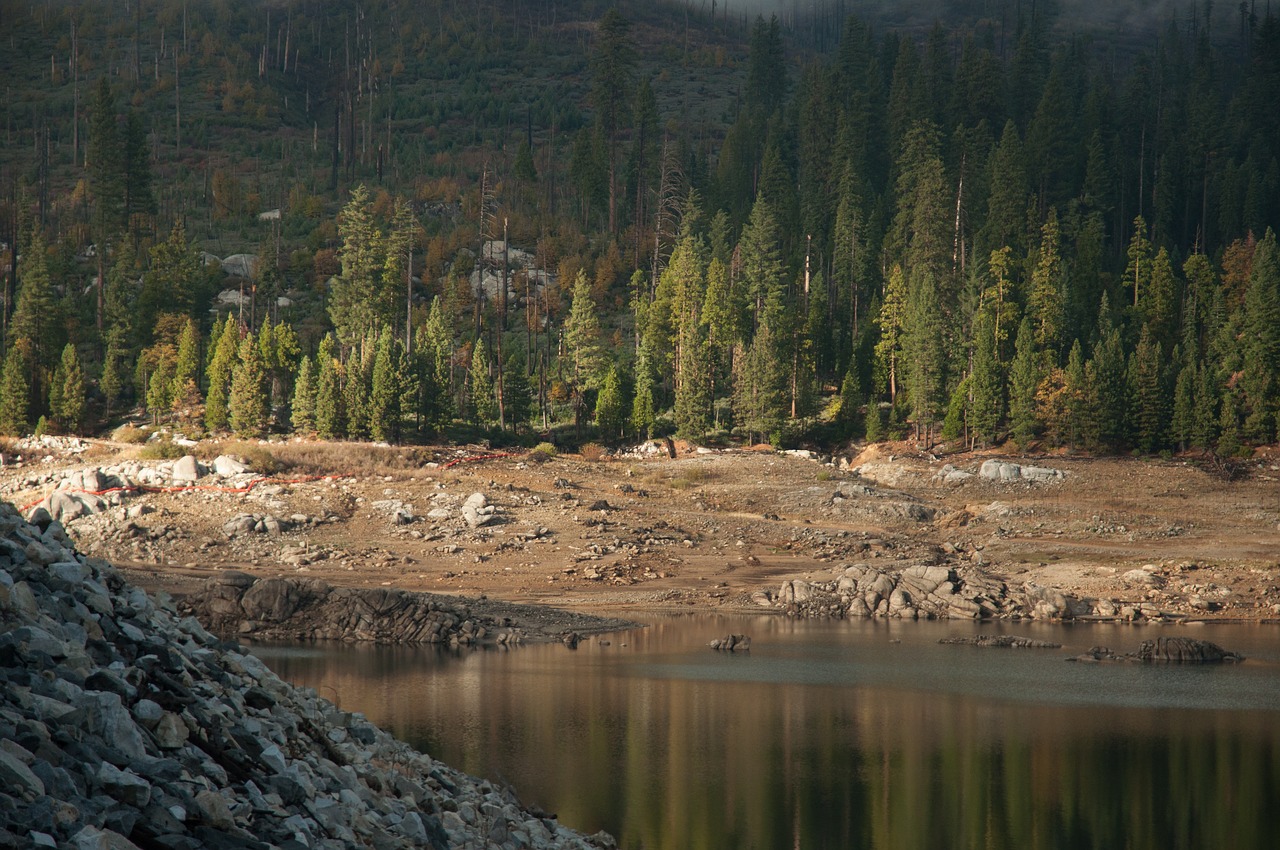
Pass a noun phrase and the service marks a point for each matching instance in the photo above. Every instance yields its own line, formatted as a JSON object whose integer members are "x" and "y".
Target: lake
{"x": 845, "y": 734}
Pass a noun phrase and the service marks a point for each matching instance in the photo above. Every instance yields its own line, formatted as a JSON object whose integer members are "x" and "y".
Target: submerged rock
{"x": 1002, "y": 641}
{"x": 1166, "y": 650}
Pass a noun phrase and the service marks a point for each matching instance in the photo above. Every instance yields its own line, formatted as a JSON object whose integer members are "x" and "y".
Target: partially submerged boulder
{"x": 732, "y": 643}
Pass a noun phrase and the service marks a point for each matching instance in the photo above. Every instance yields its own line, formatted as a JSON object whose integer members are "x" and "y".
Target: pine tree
{"x": 986, "y": 381}
{"x": 105, "y": 160}
{"x": 1024, "y": 380}
{"x": 924, "y": 355}
{"x": 71, "y": 397}
{"x": 1229, "y": 426}
{"x": 173, "y": 281}
{"x": 55, "y": 395}
{"x": 160, "y": 389}
{"x": 249, "y": 412}
{"x": 923, "y": 227}
{"x": 892, "y": 321}
{"x": 1007, "y": 201}
{"x": 1138, "y": 273}
{"x": 33, "y": 318}
{"x": 138, "y": 197}
{"x": 1149, "y": 402}
{"x": 953, "y": 424}
{"x": 875, "y": 423}
{"x": 121, "y": 297}
{"x": 518, "y": 395}
{"x": 851, "y": 399}
{"x": 611, "y": 417}
{"x": 1260, "y": 342}
{"x": 643, "y": 415}
{"x": 282, "y": 362}
{"x": 582, "y": 337}
{"x": 331, "y": 412}
{"x": 387, "y": 394}
{"x": 1182, "y": 424}
{"x": 720, "y": 316}
{"x": 221, "y": 369}
{"x": 431, "y": 382}
{"x": 1046, "y": 303}
{"x": 1159, "y": 307}
{"x": 1107, "y": 379}
{"x": 187, "y": 368}
{"x": 1075, "y": 396}
{"x": 355, "y": 391}
{"x": 304, "y": 397}
{"x": 482, "y": 403}
{"x": 356, "y": 305}
{"x": 1205, "y": 429}
{"x": 693, "y": 394}
{"x": 759, "y": 387}
{"x": 15, "y": 399}
{"x": 435, "y": 359}
{"x": 114, "y": 375}
{"x": 764, "y": 275}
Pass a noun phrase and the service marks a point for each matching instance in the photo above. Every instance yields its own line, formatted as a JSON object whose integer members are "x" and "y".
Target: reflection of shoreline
{"x": 663, "y": 739}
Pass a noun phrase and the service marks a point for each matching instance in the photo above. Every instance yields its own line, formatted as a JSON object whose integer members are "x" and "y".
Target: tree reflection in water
{"x": 831, "y": 736}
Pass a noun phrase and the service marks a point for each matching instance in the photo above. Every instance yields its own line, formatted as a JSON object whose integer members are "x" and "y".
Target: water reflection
{"x": 843, "y": 735}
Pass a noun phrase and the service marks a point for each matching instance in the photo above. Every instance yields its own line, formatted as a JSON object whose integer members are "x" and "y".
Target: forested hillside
{"x": 400, "y": 221}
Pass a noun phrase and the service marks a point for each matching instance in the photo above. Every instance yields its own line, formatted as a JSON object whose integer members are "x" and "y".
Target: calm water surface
{"x": 845, "y": 735}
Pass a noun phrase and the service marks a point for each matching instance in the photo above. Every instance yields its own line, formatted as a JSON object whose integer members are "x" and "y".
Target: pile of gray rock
{"x": 85, "y": 492}
{"x": 920, "y": 592}
{"x": 123, "y": 725}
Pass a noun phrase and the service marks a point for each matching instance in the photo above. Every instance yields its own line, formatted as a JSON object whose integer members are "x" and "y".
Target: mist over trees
{"x": 391, "y": 222}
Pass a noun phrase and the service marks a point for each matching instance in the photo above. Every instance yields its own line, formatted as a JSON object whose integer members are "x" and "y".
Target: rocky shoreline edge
{"x": 126, "y": 725}
{"x": 239, "y": 605}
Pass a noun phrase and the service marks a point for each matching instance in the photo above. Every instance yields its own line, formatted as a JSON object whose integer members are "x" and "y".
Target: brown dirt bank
{"x": 703, "y": 531}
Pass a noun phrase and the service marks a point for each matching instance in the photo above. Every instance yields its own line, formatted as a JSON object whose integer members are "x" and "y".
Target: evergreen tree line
{"x": 930, "y": 238}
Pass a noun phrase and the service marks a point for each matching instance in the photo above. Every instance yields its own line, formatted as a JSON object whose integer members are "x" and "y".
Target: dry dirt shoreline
{"x": 703, "y": 531}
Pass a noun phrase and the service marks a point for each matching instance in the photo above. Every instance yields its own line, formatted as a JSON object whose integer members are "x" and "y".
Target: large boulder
{"x": 228, "y": 467}
{"x": 999, "y": 470}
{"x": 187, "y": 470}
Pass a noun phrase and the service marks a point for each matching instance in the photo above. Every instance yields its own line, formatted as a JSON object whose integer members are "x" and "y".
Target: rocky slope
{"x": 123, "y": 725}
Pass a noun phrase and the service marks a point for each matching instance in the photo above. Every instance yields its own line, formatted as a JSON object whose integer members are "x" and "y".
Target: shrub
{"x": 162, "y": 450}
{"x": 593, "y": 452}
{"x": 131, "y": 435}
{"x": 542, "y": 453}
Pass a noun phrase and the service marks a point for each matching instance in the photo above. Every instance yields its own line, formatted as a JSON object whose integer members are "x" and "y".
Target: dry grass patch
{"x": 358, "y": 459}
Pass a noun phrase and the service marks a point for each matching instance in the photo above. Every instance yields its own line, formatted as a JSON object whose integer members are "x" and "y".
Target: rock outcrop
{"x": 921, "y": 592}
{"x": 124, "y": 725}
{"x": 237, "y": 603}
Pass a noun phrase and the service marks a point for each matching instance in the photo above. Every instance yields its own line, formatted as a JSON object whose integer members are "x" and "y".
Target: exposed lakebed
{"x": 865, "y": 734}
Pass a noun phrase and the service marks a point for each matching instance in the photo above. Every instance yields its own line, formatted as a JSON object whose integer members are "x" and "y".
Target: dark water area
{"x": 845, "y": 735}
